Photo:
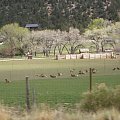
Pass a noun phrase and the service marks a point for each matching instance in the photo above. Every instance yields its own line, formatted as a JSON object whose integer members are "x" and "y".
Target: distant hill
{"x": 57, "y": 14}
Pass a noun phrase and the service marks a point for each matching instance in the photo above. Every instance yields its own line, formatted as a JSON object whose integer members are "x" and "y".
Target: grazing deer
{"x": 82, "y": 72}
{"x": 73, "y": 75}
{"x": 60, "y": 74}
{"x": 43, "y": 75}
{"x": 114, "y": 69}
{"x": 72, "y": 70}
{"x": 7, "y": 81}
{"x": 86, "y": 71}
{"x": 118, "y": 68}
{"x": 94, "y": 70}
{"x": 53, "y": 76}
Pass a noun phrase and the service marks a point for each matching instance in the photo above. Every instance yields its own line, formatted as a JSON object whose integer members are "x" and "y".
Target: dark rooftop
{"x": 31, "y": 25}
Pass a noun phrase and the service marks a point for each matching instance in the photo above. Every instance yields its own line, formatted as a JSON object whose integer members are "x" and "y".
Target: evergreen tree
{"x": 57, "y": 14}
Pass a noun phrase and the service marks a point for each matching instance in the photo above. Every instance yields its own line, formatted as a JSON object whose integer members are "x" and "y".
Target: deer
{"x": 7, "y": 81}
{"x": 81, "y": 72}
{"x": 72, "y": 70}
{"x": 60, "y": 74}
{"x": 53, "y": 76}
{"x": 114, "y": 69}
{"x": 73, "y": 75}
{"x": 43, "y": 75}
{"x": 118, "y": 68}
{"x": 94, "y": 70}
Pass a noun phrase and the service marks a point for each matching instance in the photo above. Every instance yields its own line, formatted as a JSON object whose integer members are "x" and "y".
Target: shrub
{"x": 100, "y": 98}
{"x": 116, "y": 100}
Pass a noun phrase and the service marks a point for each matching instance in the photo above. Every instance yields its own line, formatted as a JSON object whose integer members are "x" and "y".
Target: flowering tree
{"x": 70, "y": 41}
{"x": 101, "y": 37}
{"x": 43, "y": 40}
{"x": 116, "y": 31}
{"x": 58, "y": 41}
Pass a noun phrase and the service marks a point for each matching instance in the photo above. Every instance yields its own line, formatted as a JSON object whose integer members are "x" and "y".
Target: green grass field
{"x": 63, "y": 89}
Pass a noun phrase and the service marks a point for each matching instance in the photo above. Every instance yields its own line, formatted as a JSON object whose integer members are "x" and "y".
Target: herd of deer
{"x": 117, "y": 68}
{"x": 72, "y": 74}
{"x": 7, "y": 81}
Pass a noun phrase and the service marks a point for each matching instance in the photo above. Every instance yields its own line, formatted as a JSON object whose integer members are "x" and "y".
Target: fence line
{"x": 52, "y": 91}
{"x": 87, "y": 56}
{"x": 74, "y": 78}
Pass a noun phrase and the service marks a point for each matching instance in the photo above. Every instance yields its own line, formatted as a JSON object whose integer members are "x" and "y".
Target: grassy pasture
{"x": 62, "y": 89}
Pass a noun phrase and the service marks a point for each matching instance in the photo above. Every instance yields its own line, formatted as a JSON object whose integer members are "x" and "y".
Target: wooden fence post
{"x": 27, "y": 94}
{"x": 90, "y": 71}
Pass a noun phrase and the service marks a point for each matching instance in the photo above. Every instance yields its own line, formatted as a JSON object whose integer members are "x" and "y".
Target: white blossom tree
{"x": 58, "y": 41}
{"x": 70, "y": 41}
{"x": 43, "y": 39}
{"x": 115, "y": 34}
{"x": 102, "y": 37}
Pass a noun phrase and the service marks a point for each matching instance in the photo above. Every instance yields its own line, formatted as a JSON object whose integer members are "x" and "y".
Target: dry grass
{"x": 48, "y": 114}
{"x": 60, "y": 115}
{"x": 4, "y": 114}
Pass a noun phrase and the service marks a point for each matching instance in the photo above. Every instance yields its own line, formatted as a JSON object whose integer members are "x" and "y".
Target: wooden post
{"x": 27, "y": 94}
{"x": 90, "y": 79}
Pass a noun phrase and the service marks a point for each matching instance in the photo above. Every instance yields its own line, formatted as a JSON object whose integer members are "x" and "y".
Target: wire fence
{"x": 62, "y": 82}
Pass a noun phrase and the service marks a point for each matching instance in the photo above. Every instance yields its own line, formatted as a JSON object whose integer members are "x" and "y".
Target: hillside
{"x": 57, "y": 14}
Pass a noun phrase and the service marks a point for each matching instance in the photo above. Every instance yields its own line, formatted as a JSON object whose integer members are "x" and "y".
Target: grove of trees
{"x": 99, "y": 35}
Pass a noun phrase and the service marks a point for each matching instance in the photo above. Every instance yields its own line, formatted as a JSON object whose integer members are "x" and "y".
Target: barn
{"x": 32, "y": 26}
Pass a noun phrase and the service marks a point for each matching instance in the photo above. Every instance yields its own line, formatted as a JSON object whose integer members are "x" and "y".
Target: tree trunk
{"x": 47, "y": 53}
{"x": 72, "y": 50}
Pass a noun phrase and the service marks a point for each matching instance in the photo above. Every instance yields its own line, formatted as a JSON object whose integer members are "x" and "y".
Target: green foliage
{"x": 98, "y": 24}
{"x": 101, "y": 97}
{"x": 116, "y": 97}
{"x": 14, "y": 36}
{"x": 102, "y": 34}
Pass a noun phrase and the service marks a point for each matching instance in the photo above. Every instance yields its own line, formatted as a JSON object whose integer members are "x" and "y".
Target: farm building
{"x": 32, "y": 26}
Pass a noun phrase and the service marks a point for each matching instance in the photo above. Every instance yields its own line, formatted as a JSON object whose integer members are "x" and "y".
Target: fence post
{"x": 27, "y": 94}
{"x": 90, "y": 71}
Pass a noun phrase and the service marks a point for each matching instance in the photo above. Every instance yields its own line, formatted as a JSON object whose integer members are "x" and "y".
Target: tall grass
{"x": 49, "y": 114}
